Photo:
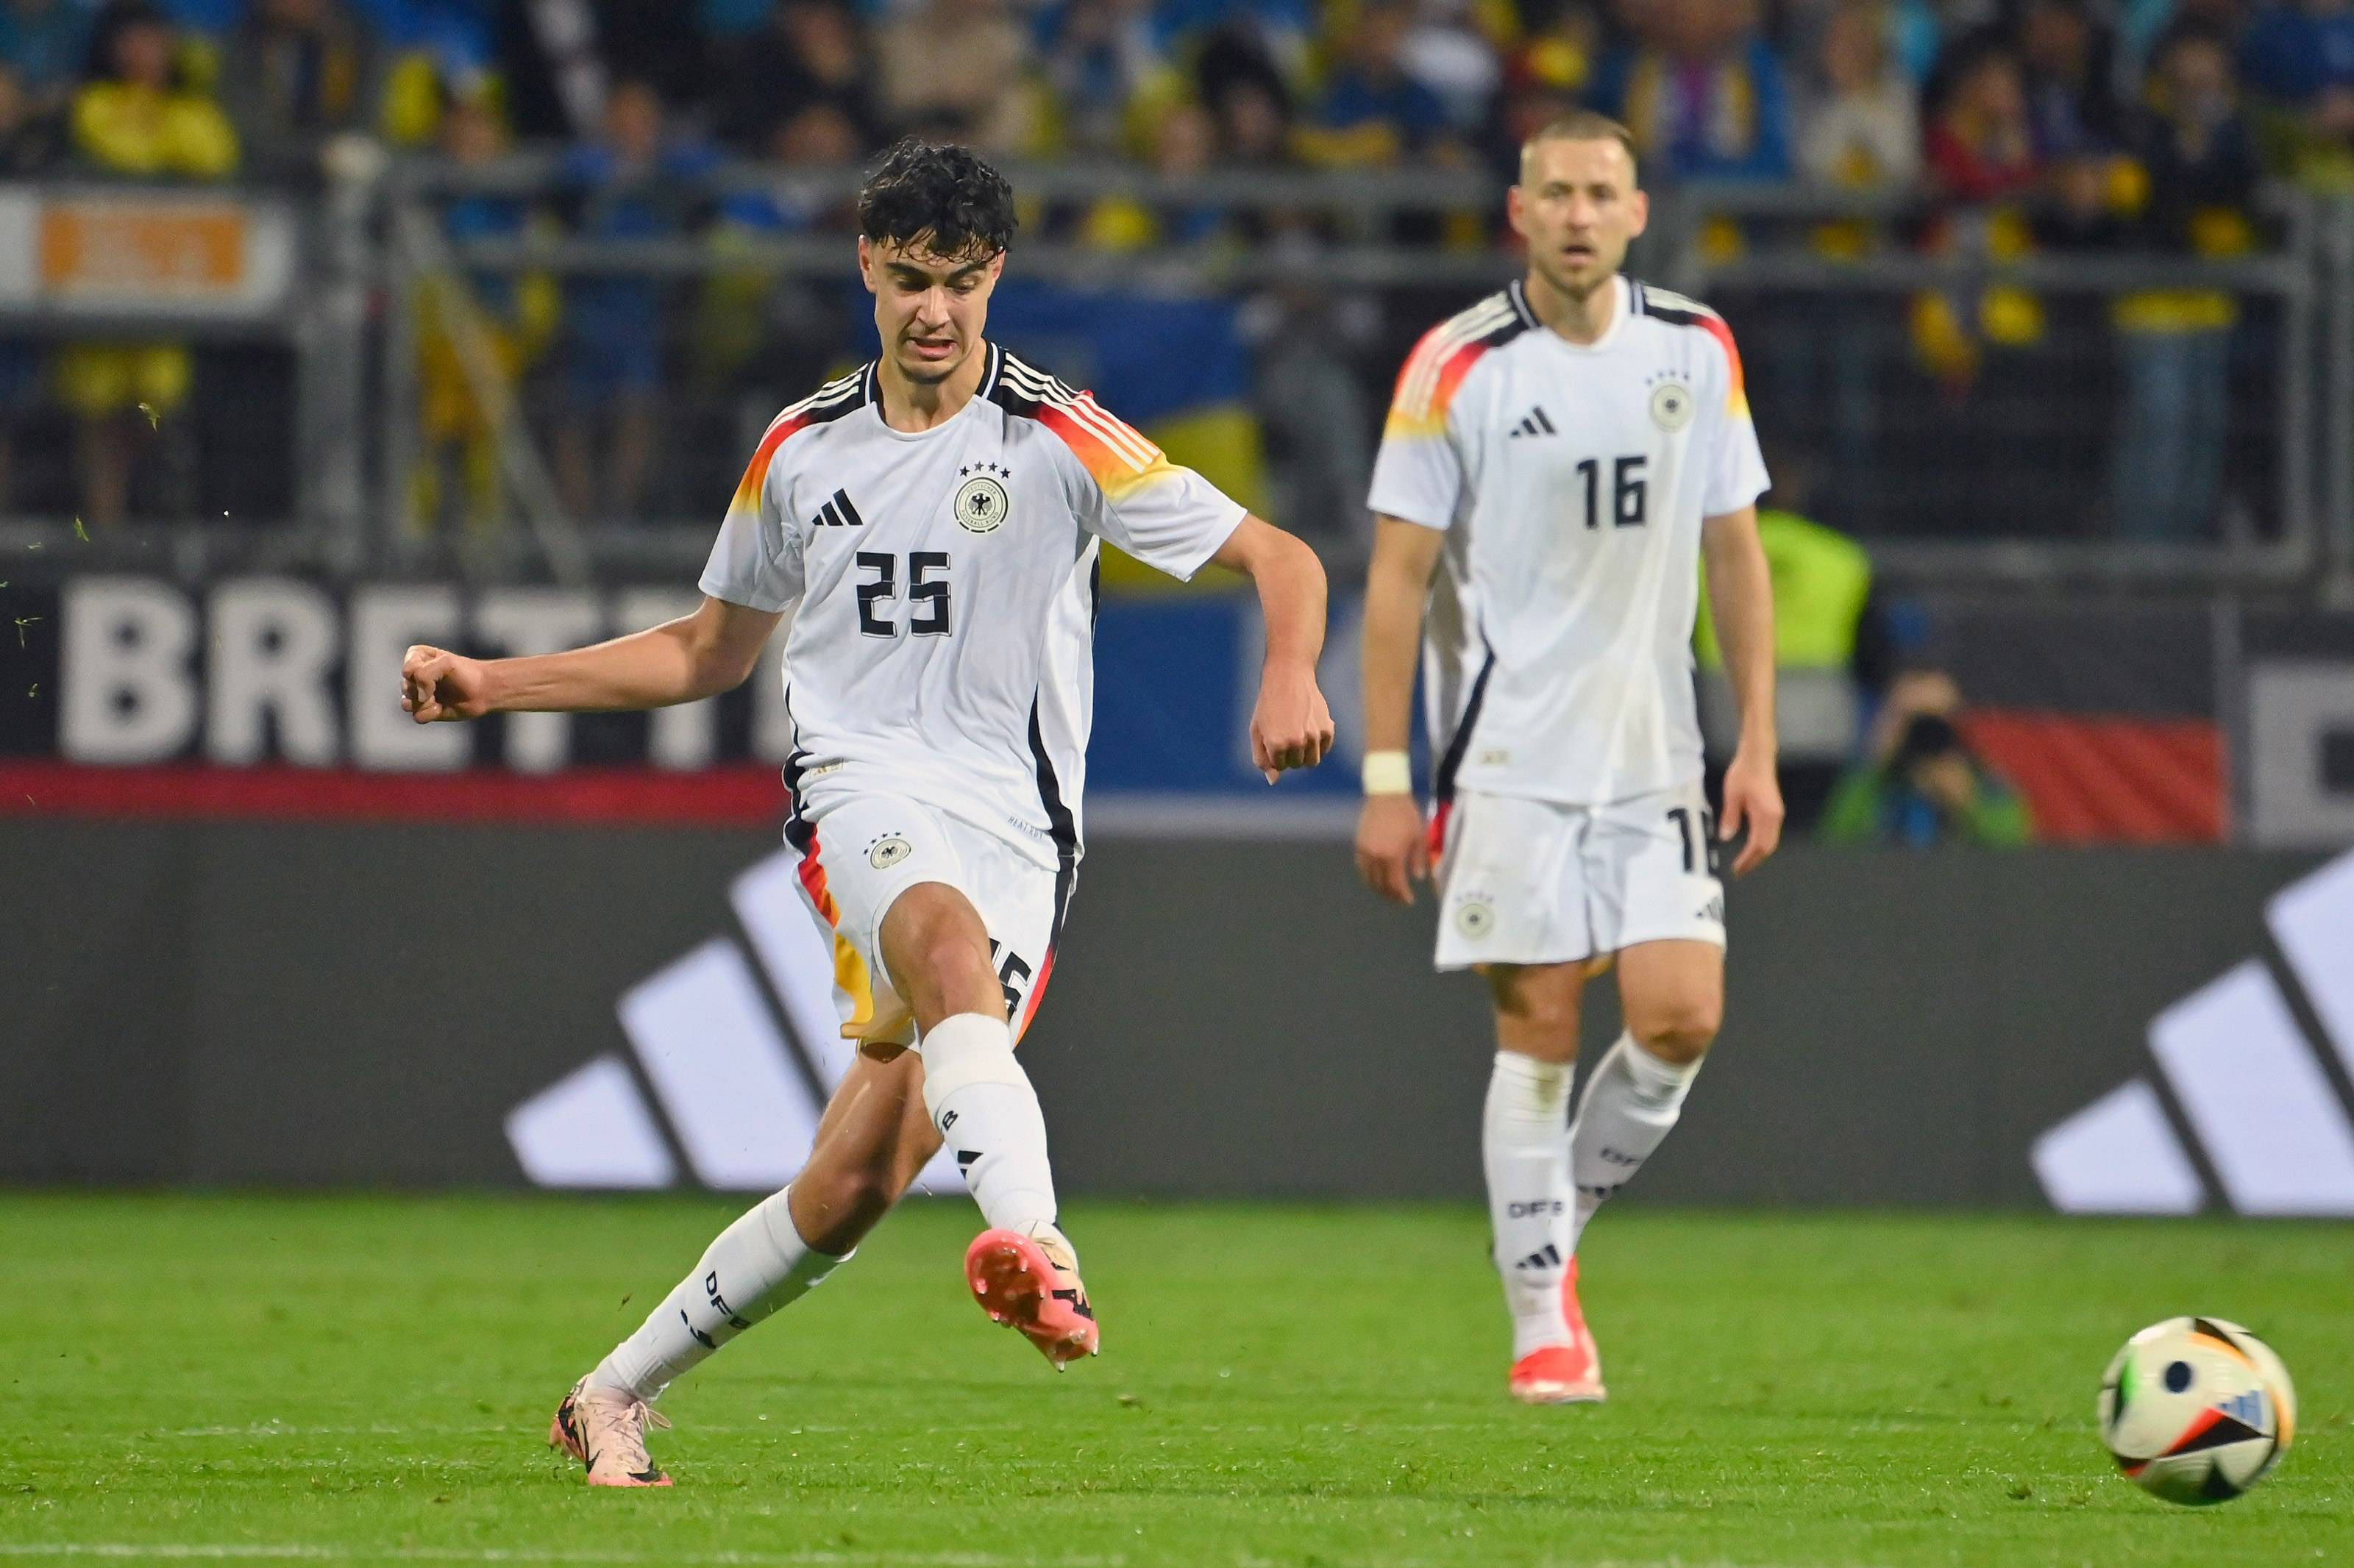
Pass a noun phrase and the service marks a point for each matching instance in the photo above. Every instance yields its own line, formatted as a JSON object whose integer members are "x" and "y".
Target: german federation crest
{"x": 1672, "y": 406}
{"x": 981, "y": 502}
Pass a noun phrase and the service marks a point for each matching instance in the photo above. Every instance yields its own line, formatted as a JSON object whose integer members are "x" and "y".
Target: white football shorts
{"x": 858, "y": 855}
{"x": 1530, "y": 882}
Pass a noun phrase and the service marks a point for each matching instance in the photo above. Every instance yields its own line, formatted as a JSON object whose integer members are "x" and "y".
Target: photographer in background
{"x": 1920, "y": 786}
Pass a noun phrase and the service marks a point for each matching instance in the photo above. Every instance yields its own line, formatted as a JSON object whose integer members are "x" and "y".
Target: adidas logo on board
{"x": 2251, "y": 1091}
{"x": 739, "y": 1057}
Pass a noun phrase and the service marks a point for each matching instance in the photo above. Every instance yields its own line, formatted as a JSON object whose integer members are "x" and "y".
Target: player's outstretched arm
{"x": 1740, "y": 595}
{"x": 1391, "y": 852}
{"x": 698, "y": 655}
{"x": 1291, "y": 728}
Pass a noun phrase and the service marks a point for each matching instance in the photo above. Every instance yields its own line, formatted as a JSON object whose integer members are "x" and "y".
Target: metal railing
{"x": 382, "y": 285}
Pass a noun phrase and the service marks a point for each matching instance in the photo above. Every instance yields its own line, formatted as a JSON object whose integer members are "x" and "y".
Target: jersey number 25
{"x": 927, "y": 592}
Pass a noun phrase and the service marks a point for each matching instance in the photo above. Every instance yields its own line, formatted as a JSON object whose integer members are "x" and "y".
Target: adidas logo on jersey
{"x": 2247, "y": 1079}
{"x": 838, "y": 512}
{"x": 1535, "y": 424}
{"x": 1545, "y": 1256}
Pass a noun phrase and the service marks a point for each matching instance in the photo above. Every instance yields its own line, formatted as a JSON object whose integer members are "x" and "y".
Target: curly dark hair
{"x": 942, "y": 195}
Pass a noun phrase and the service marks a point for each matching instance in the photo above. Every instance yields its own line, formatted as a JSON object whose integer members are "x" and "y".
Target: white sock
{"x": 1523, "y": 1146}
{"x": 981, "y": 1102}
{"x": 756, "y": 1266}
{"x": 1632, "y": 1099}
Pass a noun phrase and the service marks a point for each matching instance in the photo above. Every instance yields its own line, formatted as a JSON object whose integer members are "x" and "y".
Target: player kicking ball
{"x": 1556, "y": 460}
{"x": 931, "y": 523}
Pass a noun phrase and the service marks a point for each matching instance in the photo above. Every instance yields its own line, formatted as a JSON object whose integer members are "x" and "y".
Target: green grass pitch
{"x": 370, "y": 1380}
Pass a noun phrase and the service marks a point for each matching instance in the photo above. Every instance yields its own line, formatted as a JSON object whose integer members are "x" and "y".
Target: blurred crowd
{"x": 1985, "y": 128}
{"x": 2172, "y": 102}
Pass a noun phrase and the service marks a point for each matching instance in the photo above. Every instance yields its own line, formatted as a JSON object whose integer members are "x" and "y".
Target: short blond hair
{"x": 1584, "y": 125}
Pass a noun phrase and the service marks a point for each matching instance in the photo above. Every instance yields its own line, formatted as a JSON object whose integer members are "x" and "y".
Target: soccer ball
{"x": 2195, "y": 1410}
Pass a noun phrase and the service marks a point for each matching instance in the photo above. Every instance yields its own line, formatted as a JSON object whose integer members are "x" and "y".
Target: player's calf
{"x": 753, "y": 1268}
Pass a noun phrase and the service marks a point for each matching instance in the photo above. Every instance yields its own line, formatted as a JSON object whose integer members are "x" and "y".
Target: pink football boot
{"x": 1032, "y": 1283}
{"x": 606, "y": 1431}
{"x": 1562, "y": 1374}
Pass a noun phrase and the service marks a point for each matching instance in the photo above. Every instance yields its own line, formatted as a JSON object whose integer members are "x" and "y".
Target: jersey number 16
{"x": 1629, "y": 493}
{"x": 927, "y": 592}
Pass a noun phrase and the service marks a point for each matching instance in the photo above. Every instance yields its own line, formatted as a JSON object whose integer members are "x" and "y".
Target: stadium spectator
{"x": 2142, "y": 25}
{"x": 1980, "y": 142}
{"x": 1244, "y": 92}
{"x": 2299, "y": 57}
{"x": 1184, "y": 145}
{"x": 28, "y": 145}
{"x": 1982, "y": 168}
{"x": 1926, "y": 33}
{"x": 134, "y": 118}
{"x": 45, "y": 44}
{"x": 1859, "y": 118}
{"x": 1372, "y": 112}
{"x": 32, "y": 139}
{"x": 559, "y": 59}
{"x": 809, "y": 54}
{"x": 819, "y": 134}
{"x": 2298, "y": 51}
{"x": 1860, "y": 133}
{"x": 1702, "y": 90}
{"x": 2198, "y": 160}
{"x": 1557, "y": 54}
{"x": 1545, "y": 74}
{"x": 295, "y": 73}
{"x": 1920, "y": 786}
{"x": 1101, "y": 58}
{"x": 754, "y": 330}
{"x": 961, "y": 70}
{"x": 2065, "y": 58}
{"x": 511, "y": 320}
{"x": 1282, "y": 31}
{"x": 1452, "y": 50}
{"x": 632, "y": 182}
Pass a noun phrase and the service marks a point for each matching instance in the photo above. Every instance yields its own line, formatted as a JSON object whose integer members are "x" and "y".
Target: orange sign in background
{"x": 184, "y": 250}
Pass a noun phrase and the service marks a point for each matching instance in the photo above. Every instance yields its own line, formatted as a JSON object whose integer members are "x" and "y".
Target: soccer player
{"x": 935, "y": 518}
{"x": 1558, "y": 458}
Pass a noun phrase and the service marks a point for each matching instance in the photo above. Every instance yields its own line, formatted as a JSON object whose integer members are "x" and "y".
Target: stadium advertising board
{"x": 2132, "y": 724}
{"x": 128, "y": 672}
{"x": 77, "y": 251}
{"x": 432, "y": 1003}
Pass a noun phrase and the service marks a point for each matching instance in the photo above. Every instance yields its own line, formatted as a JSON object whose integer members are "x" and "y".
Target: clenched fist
{"x": 437, "y": 685}
{"x": 1291, "y": 727}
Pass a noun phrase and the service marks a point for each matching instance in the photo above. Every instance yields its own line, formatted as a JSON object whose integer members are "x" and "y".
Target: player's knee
{"x": 845, "y": 1202}
{"x": 938, "y": 952}
{"x": 955, "y": 975}
{"x": 1680, "y": 1033}
{"x": 1535, "y": 1022}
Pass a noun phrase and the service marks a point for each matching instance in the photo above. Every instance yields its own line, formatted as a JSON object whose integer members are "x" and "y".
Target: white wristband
{"x": 1388, "y": 773}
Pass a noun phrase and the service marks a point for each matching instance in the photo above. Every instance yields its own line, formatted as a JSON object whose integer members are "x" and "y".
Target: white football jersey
{"x": 1571, "y": 481}
{"x": 943, "y": 648}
